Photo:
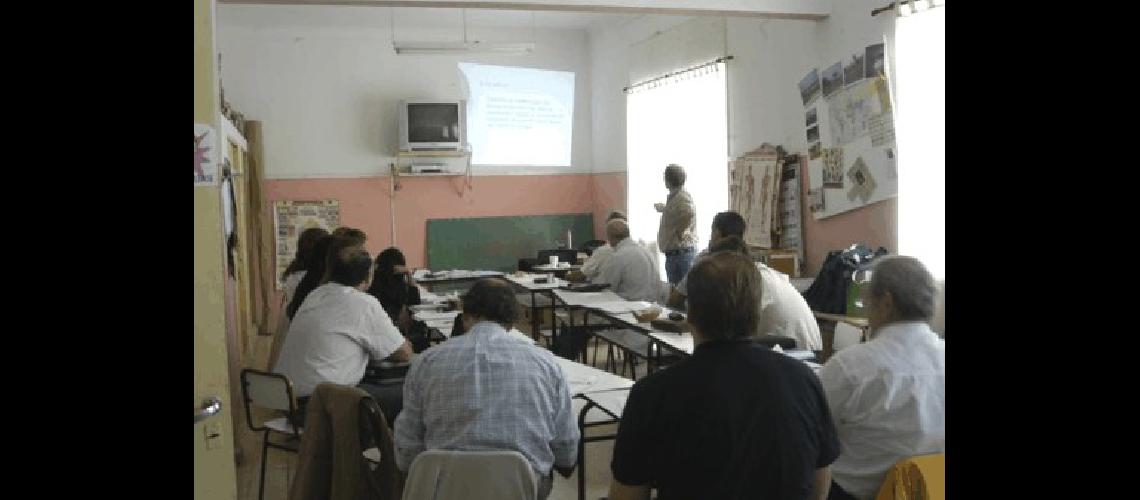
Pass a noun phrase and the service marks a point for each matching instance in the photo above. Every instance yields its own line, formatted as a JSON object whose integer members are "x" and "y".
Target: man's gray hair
{"x": 910, "y": 284}
{"x": 617, "y": 229}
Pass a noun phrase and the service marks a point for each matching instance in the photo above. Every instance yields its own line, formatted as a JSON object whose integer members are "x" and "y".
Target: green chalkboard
{"x": 497, "y": 243}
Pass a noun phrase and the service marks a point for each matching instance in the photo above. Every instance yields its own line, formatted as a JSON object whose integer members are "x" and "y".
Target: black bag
{"x": 571, "y": 342}
{"x": 419, "y": 336}
{"x": 828, "y": 293}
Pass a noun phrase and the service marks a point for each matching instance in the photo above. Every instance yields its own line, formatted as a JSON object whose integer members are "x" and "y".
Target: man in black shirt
{"x": 735, "y": 420}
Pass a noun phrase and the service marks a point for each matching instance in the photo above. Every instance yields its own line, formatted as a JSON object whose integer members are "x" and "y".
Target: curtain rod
{"x": 675, "y": 73}
{"x": 929, "y": 3}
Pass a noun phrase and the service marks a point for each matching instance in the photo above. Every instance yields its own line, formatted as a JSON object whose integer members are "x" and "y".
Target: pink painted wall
{"x": 609, "y": 195}
{"x": 364, "y": 202}
{"x": 874, "y": 225}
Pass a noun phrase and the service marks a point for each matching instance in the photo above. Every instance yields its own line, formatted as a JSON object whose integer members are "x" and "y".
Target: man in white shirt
{"x": 888, "y": 395}
{"x": 339, "y": 328}
{"x": 783, "y": 310}
{"x": 593, "y": 265}
{"x": 630, "y": 272}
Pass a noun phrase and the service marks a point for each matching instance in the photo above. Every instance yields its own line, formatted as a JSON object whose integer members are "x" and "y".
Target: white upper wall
{"x": 770, "y": 58}
{"x": 326, "y": 83}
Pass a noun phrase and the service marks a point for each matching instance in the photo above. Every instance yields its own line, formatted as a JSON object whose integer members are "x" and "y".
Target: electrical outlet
{"x": 213, "y": 435}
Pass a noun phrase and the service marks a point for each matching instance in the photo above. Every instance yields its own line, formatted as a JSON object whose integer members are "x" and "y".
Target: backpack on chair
{"x": 828, "y": 293}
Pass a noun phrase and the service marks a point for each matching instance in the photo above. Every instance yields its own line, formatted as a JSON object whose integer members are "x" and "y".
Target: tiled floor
{"x": 282, "y": 464}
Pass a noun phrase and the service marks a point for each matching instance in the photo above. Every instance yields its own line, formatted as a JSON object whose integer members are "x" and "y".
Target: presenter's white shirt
{"x": 888, "y": 401}
{"x": 334, "y": 334}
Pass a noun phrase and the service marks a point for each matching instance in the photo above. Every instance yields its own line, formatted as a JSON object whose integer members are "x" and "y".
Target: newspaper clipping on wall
{"x": 293, "y": 217}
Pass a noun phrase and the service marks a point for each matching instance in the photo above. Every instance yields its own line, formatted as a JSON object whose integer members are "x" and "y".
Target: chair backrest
{"x": 383, "y": 477}
{"x": 267, "y": 390}
{"x": 920, "y": 477}
{"x": 459, "y": 475}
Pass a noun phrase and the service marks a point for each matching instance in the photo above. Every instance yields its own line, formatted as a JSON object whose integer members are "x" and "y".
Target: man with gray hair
{"x": 630, "y": 271}
{"x": 888, "y": 395}
{"x": 593, "y": 265}
{"x": 677, "y": 234}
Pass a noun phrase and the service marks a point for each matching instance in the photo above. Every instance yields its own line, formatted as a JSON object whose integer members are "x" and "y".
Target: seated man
{"x": 489, "y": 390}
{"x": 783, "y": 310}
{"x": 630, "y": 272}
{"x": 601, "y": 254}
{"x": 888, "y": 395}
{"x": 734, "y": 420}
{"x": 339, "y": 328}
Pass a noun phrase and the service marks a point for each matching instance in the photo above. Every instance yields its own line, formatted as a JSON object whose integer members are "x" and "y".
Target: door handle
{"x": 210, "y": 407}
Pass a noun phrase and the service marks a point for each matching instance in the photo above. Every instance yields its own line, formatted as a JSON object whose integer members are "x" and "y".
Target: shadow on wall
{"x": 374, "y": 134}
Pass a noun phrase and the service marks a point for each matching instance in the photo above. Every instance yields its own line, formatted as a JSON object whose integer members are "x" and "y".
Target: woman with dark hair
{"x": 296, "y": 269}
{"x": 294, "y": 273}
{"x": 393, "y": 286}
{"x": 315, "y": 274}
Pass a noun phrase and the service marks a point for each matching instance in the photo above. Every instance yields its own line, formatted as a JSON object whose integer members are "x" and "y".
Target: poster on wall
{"x": 832, "y": 79}
{"x": 874, "y": 62}
{"x": 833, "y": 168}
{"x": 205, "y": 155}
{"x": 754, "y": 193}
{"x": 850, "y": 134}
{"x": 809, "y": 87}
{"x": 790, "y": 217}
{"x": 293, "y": 217}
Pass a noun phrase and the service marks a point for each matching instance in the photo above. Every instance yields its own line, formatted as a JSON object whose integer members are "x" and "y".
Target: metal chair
{"x": 271, "y": 391}
{"x": 460, "y": 475}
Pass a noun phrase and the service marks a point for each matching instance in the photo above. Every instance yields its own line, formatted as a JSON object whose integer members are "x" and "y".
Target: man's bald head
{"x": 617, "y": 230}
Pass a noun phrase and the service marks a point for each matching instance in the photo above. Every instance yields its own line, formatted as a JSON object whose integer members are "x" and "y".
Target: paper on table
{"x": 621, "y": 306}
{"x": 436, "y": 315}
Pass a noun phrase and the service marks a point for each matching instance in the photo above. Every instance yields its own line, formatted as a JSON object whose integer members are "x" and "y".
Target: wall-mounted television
{"x": 433, "y": 124}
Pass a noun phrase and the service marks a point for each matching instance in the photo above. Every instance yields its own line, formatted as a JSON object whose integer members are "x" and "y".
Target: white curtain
{"x": 919, "y": 70}
{"x": 684, "y": 121}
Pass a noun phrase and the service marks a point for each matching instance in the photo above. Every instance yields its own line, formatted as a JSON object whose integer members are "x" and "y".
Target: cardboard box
{"x": 785, "y": 262}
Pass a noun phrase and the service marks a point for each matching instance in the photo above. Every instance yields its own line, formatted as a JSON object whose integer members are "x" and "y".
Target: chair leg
{"x": 597, "y": 341}
{"x": 264, "y": 462}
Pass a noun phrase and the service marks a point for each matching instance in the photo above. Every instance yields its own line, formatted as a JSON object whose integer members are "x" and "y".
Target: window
{"x": 681, "y": 120}
{"x": 920, "y": 94}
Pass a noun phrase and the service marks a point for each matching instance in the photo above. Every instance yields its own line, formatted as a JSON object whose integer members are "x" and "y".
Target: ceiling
{"x": 328, "y": 15}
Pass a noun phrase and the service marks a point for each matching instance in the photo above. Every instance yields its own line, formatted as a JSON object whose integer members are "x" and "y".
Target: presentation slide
{"x": 519, "y": 116}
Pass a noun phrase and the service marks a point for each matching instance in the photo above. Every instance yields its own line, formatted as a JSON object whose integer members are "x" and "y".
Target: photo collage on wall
{"x": 868, "y": 64}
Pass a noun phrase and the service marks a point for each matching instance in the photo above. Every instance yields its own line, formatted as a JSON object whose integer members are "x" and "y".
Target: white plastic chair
{"x": 470, "y": 475}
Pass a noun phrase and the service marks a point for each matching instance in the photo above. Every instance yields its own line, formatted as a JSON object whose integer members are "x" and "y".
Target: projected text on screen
{"x": 519, "y": 116}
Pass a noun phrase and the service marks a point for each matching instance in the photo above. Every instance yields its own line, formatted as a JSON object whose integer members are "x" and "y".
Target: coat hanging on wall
{"x": 229, "y": 206}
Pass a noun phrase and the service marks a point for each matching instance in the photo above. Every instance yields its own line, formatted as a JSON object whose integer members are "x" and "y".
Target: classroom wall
{"x": 366, "y": 202}
{"x": 326, "y": 83}
{"x": 763, "y": 100}
{"x": 849, "y": 28}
